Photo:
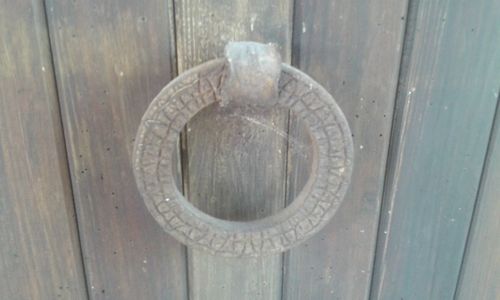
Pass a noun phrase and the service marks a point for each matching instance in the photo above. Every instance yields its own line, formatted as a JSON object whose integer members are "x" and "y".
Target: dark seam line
{"x": 495, "y": 126}
{"x": 295, "y": 51}
{"x": 173, "y": 41}
{"x": 294, "y": 54}
{"x": 394, "y": 139}
{"x": 66, "y": 154}
{"x": 174, "y": 65}
{"x": 284, "y": 255}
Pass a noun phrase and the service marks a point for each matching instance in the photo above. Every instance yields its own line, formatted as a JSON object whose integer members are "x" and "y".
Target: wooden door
{"x": 417, "y": 81}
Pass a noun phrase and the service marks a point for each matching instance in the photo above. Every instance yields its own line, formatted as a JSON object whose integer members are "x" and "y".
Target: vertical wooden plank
{"x": 236, "y": 158}
{"x": 39, "y": 249}
{"x": 353, "y": 48}
{"x": 480, "y": 274}
{"x": 112, "y": 58}
{"x": 445, "y": 108}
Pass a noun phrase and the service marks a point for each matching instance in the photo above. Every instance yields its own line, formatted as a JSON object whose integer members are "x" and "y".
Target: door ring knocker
{"x": 250, "y": 74}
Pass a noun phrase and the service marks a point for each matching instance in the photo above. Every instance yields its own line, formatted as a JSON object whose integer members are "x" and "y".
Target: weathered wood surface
{"x": 353, "y": 49}
{"x": 235, "y": 159}
{"x": 445, "y": 107}
{"x": 112, "y": 58}
{"x": 480, "y": 274}
{"x": 39, "y": 249}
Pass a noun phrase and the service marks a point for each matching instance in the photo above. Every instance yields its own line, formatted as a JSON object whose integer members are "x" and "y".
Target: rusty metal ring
{"x": 211, "y": 82}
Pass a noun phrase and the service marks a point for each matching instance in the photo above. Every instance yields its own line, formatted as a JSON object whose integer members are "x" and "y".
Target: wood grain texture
{"x": 39, "y": 250}
{"x": 353, "y": 49}
{"x": 112, "y": 58}
{"x": 480, "y": 274}
{"x": 235, "y": 157}
{"x": 444, "y": 114}
{"x": 204, "y": 27}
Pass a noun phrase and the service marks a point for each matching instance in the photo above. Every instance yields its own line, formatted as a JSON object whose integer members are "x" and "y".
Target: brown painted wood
{"x": 480, "y": 275}
{"x": 39, "y": 249}
{"x": 111, "y": 59}
{"x": 353, "y": 48}
{"x": 235, "y": 158}
{"x": 444, "y": 114}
